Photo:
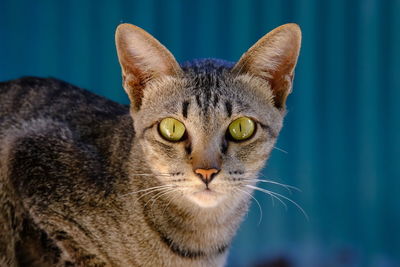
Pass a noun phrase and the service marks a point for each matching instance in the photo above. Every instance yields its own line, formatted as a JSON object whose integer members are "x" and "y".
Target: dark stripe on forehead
{"x": 185, "y": 107}
{"x": 207, "y": 100}
{"x": 228, "y": 106}
{"x": 217, "y": 83}
{"x": 216, "y": 100}
{"x": 198, "y": 100}
{"x": 207, "y": 95}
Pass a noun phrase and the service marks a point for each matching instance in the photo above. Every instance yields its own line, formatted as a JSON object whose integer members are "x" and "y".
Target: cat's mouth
{"x": 207, "y": 192}
{"x": 206, "y": 197}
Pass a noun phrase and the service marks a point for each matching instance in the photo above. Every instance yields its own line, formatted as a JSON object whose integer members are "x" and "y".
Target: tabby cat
{"x": 85, "y": 181}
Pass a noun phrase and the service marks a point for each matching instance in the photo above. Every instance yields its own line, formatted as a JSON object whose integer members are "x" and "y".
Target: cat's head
{"x": 206, "y": 128}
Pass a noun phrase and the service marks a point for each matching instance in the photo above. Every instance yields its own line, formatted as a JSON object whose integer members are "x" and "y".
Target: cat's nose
{"x": 206, "y": 175}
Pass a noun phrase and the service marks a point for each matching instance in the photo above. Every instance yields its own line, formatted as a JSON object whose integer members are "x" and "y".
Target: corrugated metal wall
{"x": 342, "y": 133}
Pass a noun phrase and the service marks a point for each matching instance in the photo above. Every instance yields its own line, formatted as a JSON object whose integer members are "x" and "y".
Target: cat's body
{"x": 67, "y": 145}
{"x": 85, "y": 181}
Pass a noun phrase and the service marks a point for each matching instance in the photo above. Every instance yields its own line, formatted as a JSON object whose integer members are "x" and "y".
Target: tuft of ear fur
{"x": 273, "y": 58}
{"x": 142, "y": 59}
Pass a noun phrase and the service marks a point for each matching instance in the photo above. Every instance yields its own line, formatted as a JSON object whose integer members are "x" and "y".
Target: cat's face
{"x": 207, "y": 104}
{"x": 206, "y": 164}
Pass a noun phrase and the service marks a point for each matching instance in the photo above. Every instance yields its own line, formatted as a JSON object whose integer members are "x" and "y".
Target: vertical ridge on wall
{"x": 391, "y": 215}
{"x": 367, "y": 85}
{"x": 75, "y": 43}
{"x": 351, "y": 99}
{"x": 169, "y": 26}
{"x": 332, "y": 108}
{"x": 305, "y": 119}
{"x": 105, "y": 75}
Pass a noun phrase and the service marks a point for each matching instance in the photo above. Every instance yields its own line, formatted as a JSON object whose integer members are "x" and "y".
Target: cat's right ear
{"x": 142, "y": 59}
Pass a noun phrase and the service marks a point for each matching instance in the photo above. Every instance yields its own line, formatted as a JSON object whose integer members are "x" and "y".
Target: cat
{"x": 85, "y": 181}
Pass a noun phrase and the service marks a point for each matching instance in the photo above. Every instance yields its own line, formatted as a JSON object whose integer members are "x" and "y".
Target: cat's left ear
{"x": 273, "y": 59}
{"x": 142, "y": 59}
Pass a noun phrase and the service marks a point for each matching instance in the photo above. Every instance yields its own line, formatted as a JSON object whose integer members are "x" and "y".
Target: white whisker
{"x": 280, "y": 149}
{"x": 168, "y": 204}
{"x": 150, "y": 174}
{"x": 152, "y": 191}
{"x": 258, "y": 203}
{"x": 272, "y": 197}
{"x": 282, "y": 196}
{"x": 147, "y": 189}
{"x": 165, "y": 193}
{"x": 158, "y": 194}
{"x": 286, "y": 186}
{"x": 267, "y": 180}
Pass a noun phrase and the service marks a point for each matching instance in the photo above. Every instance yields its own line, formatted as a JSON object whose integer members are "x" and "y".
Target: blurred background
{"x": 341, "y": 140}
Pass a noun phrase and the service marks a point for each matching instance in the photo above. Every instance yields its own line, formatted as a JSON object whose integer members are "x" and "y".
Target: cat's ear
{"x": 273, "y": 59}
{"x": 142, "y": 59}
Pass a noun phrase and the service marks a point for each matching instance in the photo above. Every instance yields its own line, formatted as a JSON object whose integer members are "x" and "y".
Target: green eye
{"x": 241, "y": 128}
{"x": 171, "y": 129}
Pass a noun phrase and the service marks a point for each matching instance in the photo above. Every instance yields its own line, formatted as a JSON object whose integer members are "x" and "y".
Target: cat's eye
{"x": 172, "y": 129}
{"x": 241, "y": 129}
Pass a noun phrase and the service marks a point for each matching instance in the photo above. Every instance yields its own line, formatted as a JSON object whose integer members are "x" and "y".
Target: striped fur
{"x": 76, "y": 170}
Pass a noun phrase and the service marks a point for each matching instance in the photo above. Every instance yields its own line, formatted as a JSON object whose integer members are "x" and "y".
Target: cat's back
{"x": 45, "y": 109}
{"x": 33, "y": 97}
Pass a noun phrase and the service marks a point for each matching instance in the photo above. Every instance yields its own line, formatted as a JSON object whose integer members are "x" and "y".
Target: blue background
{"x": 342, "y": 132}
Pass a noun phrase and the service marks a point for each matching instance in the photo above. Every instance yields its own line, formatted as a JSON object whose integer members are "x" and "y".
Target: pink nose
{"x": 206, "y": 175}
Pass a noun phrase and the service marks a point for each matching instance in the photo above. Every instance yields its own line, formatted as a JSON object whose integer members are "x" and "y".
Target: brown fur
{"x": 88, "y": 182}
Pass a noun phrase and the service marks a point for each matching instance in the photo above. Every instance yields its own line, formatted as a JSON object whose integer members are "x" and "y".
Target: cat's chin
{"x": 206, "y": 198}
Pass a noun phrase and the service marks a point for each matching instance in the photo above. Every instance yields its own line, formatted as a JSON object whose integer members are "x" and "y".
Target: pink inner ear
{"x": 273, "y": 58}
{"x": 142, "y": 58}
{"x": 281, "y": 85}
{"x": 134, "y": 87}
{"x": 281, "y": 78}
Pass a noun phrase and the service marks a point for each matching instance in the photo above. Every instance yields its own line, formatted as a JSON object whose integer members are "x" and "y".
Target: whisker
{"x": 147, "y": 189}
{"x": 258, "y": 203}
{"x": 169, "y": 203}
{"x": 286, "y": 186}
{"x": 154, "y": 174}
{"x": 267, "y": 180}
{"x": 149, "y": 174}
{"x": 272, "y": 197}
{"x": 280, "y": 149}
{"x": 282, "y": 196}
{"x": 159, "y": 193}
{"x": 273, "y": 201}
{"x": 165, "y": 193}
{"x": 152, "y": 191}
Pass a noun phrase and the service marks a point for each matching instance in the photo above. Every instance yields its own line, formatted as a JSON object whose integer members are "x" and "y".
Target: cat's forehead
{"x": 202, "y": 94}
{"x": 207, "y": 87}
{"x": 208, "y": 93}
